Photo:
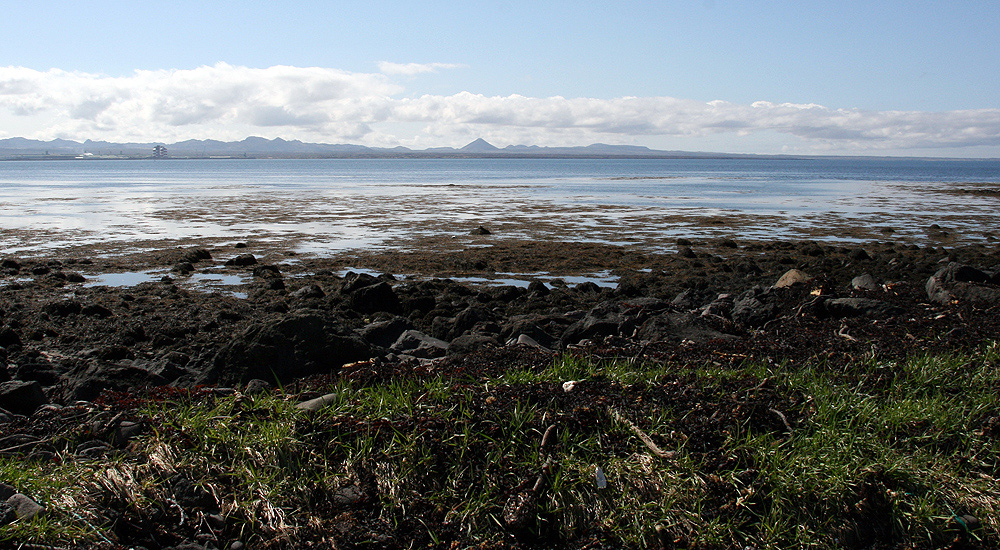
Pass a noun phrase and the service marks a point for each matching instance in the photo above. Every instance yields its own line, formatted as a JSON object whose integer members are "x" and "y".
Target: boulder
{"x": 7, "y": 513}
{"x": 855, "y": 307}
{"x": 384, "y": 333}
{"x": 539, "y": 328}
{"x": 418, "y": 344}
{"x": 24, "y": 507}
{"x": 44, "y": 373}
{"x": 308, "y": 292}
{"x": 286, "y": 347}
{"x": 242, "y": 260}
{"x": 468, "y": 343}
{"x": 481, "y": 231}
{"x": 21, "y": 397}
{"x": 101, "y": 376}
{"x": 354, "y": 281}
{"x": 538, "y": 288}
{"x": 792, "y": 277}
{"x": 374, "y": 298}
{"x": 864, "y": 282}
{"x": 675, "y": 326}
{"x": 612, "y": 318}
{"x": 756, "y": 307}
{"x": 692, "y": 299}
{"x": 525, "y": 340}
{"x": 183, "y": 268}
{"x": 194, "y": 255}
{"x": 964, "y": 283}
{"x": 465, "y": 320}
{"x": 9, "y": 338}
{"x": 10, "y": 266}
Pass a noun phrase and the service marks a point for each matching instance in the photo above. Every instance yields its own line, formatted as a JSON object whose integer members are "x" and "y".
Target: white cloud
{"x": 329, "y": 105}
{"x": 410, "y": 69}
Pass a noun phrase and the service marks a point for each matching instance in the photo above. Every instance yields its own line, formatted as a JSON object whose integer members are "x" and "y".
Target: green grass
{"x": 877, "y": 452}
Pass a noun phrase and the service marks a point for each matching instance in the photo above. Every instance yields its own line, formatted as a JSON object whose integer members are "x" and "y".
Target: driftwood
{"x": 646, "y": 440}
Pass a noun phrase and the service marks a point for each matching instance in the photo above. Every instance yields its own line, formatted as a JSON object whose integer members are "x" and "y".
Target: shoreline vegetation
{"x": 752, "y": 394}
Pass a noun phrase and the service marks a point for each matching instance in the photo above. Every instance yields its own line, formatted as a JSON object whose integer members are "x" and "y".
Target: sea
{"x": 322, "y": 206}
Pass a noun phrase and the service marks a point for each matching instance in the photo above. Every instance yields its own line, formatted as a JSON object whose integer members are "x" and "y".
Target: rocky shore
{"x": 72, "y": 340}
{"x": 66, "y": 342}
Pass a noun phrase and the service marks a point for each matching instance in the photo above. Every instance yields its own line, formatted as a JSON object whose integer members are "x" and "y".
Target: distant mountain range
{"x": 257, "y": 147}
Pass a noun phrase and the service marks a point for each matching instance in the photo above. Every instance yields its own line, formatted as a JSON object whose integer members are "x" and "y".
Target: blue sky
{"x": 915, "y": 78}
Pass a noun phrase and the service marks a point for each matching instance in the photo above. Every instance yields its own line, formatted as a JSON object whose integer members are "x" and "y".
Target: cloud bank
{"x": 330, "y": 105}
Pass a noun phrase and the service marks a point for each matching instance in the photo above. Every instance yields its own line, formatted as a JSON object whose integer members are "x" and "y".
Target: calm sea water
{"x": 335, "y": 204}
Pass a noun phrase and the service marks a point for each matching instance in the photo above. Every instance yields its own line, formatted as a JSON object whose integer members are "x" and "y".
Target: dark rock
{"x": 24, "y": 507}
{"x": 283, "y": 348}
{"x": 11, "y": 265}
{"x": 384, "y": 333}
{"x": 864, "y": 282}
{"x": 256, "y": 386}
{"x": 125, "y": 432}
{"x": 242, "y": 260}
{"x": 21, "y": 397}
{"x": 267, "y": 271}
{"x": 466, "y": 320}
{"x": 63, "y": 308}
{"x": 692, "y": 299}
{"x": 755, "y": 307}
{"x": 613, "y": 318}
{"x": 538, "y": 327}
{"x": 728, "y": 243}
{"x": 684, "y": 242}
{"x": 45, "y": 374}
{"x": 7, "y": 514}
{"x": 353, "y": 281}
{"x": 41, "y": 270}
{"x": 307, "y": 292}
{"x": 418, "y": 344}
{"x": 349, "y": 496}
{"x": 538, "y": 288}
{"x": 96, "y": 310}
{"x": 190, "y": 496}
{"x": 854, "y": 307}
{"x": 183, "y": 268}
{"x": 87, "y": 386}
{"x": 962, "y": 283}
{"x": 194, "y": 255}
{"x": 686, "y": 252}
{"x": 74, "y": 277}
{"x": 9, "y": 338}
{"x": 587, "y": 287}
{"x": 373, "y": 298}
{"x": 480, "y": 231}
{"x": 94, "y": 448}
{"x": 859, "y": 255}
{"x": 468, "y": 343}
{"x": 673, "y": 326}
{"x": 6, "y": 491}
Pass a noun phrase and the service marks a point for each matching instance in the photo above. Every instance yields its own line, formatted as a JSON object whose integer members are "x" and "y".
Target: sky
{"x": 914, "y": 78}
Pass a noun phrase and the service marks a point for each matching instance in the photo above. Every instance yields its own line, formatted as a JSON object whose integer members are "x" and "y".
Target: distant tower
{"x": 159, "y": 152}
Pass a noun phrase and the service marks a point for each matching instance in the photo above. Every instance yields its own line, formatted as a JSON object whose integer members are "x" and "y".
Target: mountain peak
{"x": 479, "y": 146}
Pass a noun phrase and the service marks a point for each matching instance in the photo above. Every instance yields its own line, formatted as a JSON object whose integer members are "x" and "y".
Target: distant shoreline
{"x": 21, "y": 149}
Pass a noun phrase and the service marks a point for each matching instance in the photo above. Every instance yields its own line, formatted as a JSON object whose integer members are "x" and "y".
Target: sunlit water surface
{"x": 330, "y": 205}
